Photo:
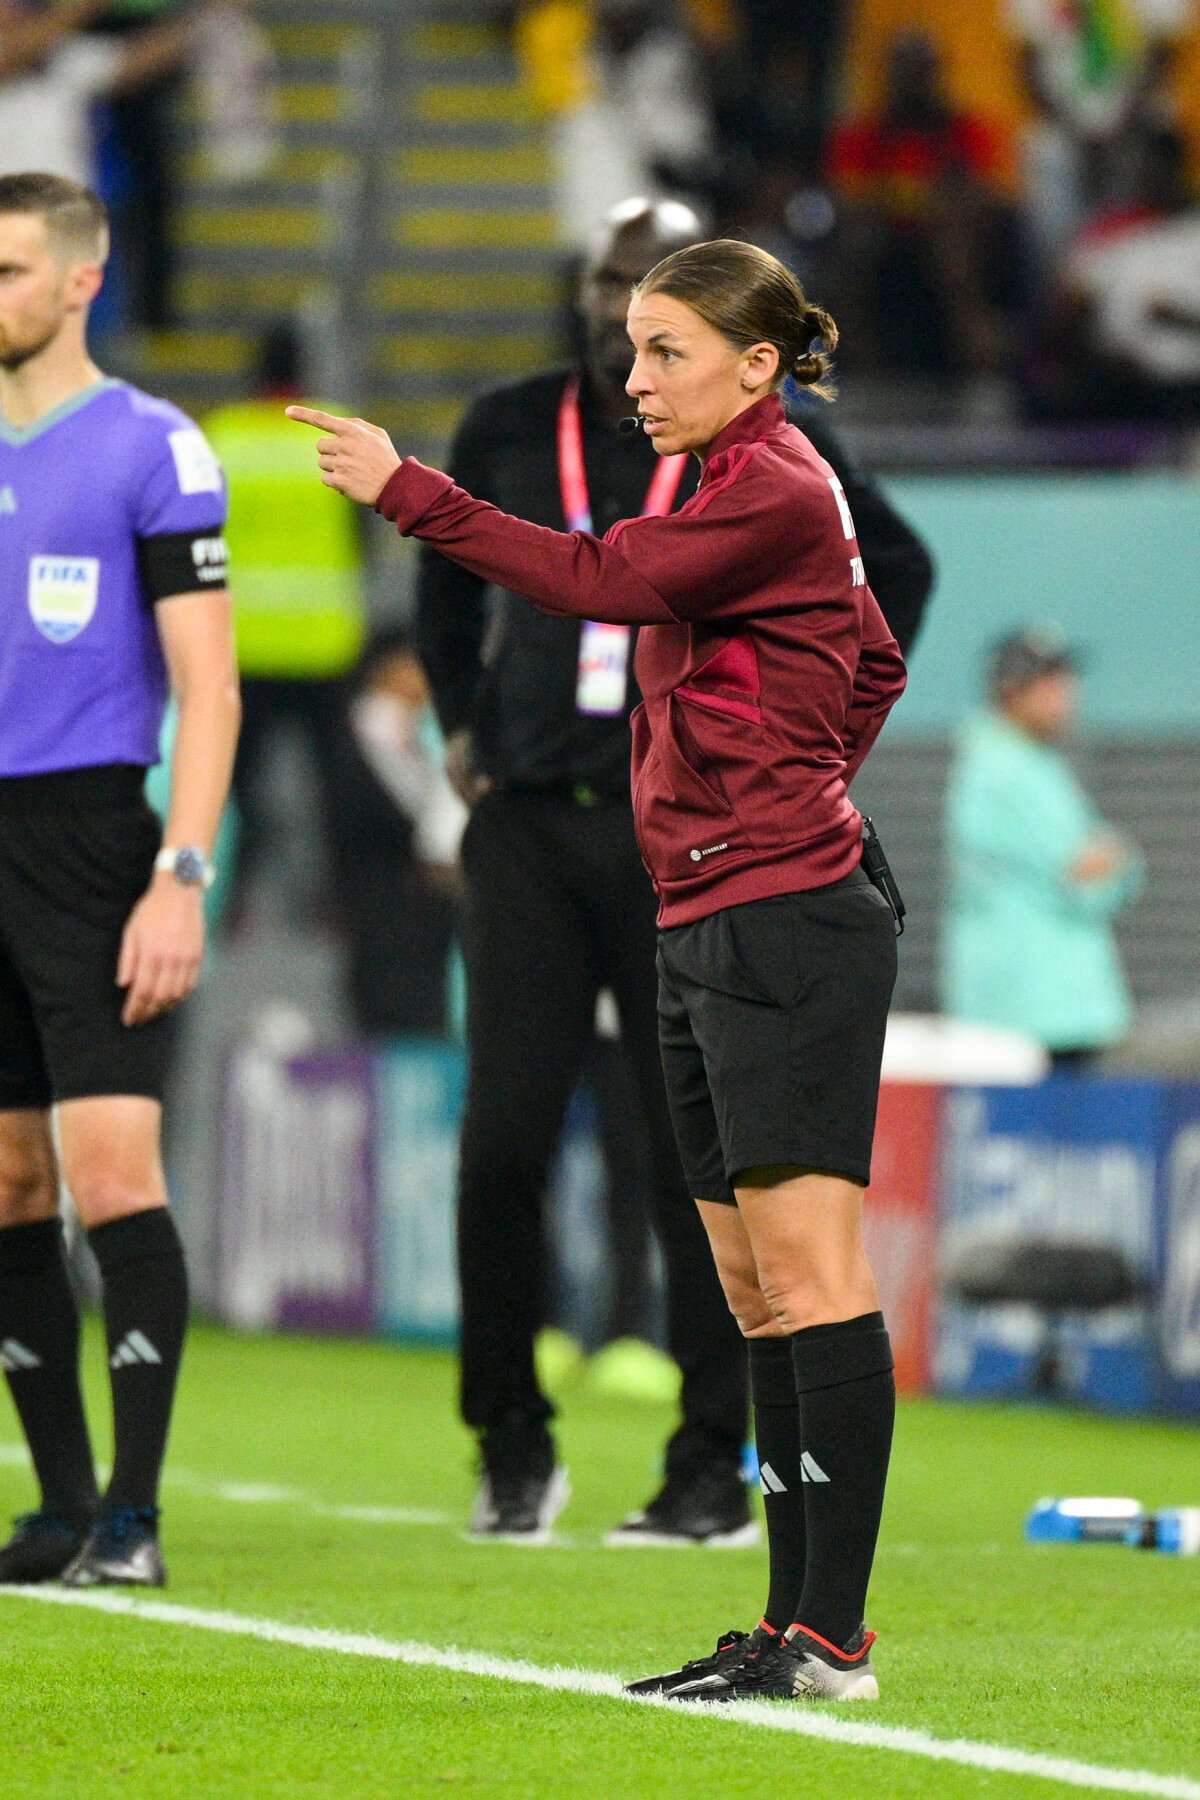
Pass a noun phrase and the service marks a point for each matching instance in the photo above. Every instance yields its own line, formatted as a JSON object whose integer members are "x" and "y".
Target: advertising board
{"x": 296, "y": 1207}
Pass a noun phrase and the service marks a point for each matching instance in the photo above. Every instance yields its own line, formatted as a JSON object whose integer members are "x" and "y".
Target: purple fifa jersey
{"x": 82, "y": 676}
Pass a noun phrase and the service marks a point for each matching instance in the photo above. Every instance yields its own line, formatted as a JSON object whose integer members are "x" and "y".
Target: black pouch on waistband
{"x": 878, "y": 872}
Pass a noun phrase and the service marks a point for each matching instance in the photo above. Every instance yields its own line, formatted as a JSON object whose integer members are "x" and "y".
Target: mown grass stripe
{"x": 901, "y": 1740}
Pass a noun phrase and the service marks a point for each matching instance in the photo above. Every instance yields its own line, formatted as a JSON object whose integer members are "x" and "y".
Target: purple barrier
{"x": 297, "y": 1202}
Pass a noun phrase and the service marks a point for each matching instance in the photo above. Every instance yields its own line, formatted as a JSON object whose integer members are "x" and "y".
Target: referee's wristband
{"x": 189, "y": 866}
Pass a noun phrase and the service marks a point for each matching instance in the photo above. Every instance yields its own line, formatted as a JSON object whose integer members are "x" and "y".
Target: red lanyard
{"x": 572, "y": 476}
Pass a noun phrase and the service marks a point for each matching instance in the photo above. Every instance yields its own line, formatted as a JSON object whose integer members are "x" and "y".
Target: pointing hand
{"x": 357, "y": 458}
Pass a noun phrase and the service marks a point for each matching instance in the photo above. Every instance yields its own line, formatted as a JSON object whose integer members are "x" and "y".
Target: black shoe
{"x": 801, "y": 1666}
{"x": 40, "y": 1548}
{"x": 705, "y": 1505}
{"x": 522, "y": 1489}
{"x": 121, "y": 1551}
{"x": 728, "y": 1655}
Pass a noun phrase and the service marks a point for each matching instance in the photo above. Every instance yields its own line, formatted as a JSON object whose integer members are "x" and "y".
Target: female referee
{"x": 767, "y": 670}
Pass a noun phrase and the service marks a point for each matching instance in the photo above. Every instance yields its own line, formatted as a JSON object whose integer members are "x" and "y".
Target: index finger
{"x": 306, "y": 415}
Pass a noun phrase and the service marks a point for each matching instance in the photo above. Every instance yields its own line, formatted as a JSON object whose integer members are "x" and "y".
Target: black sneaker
{"x": 41, "y": 1546}
{"x": 705, "y": 1505}
{"x": 121, "y": 1550}
{"x": 727, "y": 1656}
{"x": 522, "y": 1489}
{"x": 800, "y": 1666}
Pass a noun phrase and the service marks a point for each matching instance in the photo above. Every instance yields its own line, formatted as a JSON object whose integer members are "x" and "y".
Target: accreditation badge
{"x": 62, "y": 594}
{"x": 603, "y": 678}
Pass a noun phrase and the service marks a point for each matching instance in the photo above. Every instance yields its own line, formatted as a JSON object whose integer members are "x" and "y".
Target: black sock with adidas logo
{"x": 145, "y": 1320}
{"x": 777, "y": 1440}
{"x": 39, "y": 1352}
{"x": 847, "y": 1410}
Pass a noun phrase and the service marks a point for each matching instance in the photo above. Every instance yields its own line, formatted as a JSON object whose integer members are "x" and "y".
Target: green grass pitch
{"x": 1083, "y": 1653}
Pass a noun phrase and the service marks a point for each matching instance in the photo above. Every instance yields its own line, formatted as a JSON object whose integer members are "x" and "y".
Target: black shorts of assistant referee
{"x": 771, "y": 1024}
{"x": 77, "y": 852}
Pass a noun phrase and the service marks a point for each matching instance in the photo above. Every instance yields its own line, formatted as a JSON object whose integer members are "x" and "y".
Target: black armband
{"x": 180, "y": 562}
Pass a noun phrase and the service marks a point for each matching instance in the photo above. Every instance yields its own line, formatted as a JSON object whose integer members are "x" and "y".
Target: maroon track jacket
{"x": 765, "y": 664}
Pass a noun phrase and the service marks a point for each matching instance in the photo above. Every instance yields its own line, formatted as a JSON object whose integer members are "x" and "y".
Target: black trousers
{"x": 630, "y": 1309}
{"x": 558, "y": 906}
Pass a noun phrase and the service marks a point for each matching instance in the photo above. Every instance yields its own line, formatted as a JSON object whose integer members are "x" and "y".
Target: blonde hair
{"x": 75, "y": 220}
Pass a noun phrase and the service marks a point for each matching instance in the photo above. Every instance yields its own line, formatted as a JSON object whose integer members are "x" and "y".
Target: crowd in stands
{"x": 1045, "y": 259}
{"x": 89, "y": 91}
{"x": 1041, "y": 259}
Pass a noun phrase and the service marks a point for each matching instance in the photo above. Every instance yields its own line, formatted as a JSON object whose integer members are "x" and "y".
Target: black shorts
{"x": 771, "y": 1023}
{"x": 77, "y": 852}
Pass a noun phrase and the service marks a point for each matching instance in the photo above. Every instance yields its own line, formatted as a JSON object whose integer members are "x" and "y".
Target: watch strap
{"x": 167, "y": 863}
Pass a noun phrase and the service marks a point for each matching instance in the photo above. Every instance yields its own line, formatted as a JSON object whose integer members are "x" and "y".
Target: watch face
{"x": 189, "y": 867}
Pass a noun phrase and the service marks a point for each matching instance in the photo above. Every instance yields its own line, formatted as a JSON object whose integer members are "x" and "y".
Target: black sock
{"x": 847, "y": 1410}
{"x": 777, "y": 1440}
{"x": 145, "y": 1318}
{"x": 39, "y": 1350}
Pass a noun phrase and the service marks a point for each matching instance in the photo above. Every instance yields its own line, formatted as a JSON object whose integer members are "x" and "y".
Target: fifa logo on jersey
{"x": 210, "y": 558}
{"x": 8, "y": 500}
{"x": 63, "y": 591}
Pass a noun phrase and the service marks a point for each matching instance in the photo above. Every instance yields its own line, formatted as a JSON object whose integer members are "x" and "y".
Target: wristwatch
{"x": 189, "y": 866}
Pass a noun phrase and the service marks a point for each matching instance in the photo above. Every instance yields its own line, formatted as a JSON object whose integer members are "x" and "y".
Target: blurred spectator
{"x": 1036, "y": 875}
{"x": 552, "y": 39}
{"x": 52, "y": 67}
{"x": 630, "y": 111}
{"x": 297, "y": 595}
{"x": 396, "y": 729}
{"x": 1122, "y": 339}
{"x": 234, "y": 70}
{"x": 793, "y": 54}
{"x": 928, "y": 268}
{"x": 142, "y": 118}
{"x": 1095, "y": 73}
{"x": 402, "y": 822}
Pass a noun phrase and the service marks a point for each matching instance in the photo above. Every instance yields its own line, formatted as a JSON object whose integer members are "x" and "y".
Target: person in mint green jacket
{"x": 1036, "y": 876}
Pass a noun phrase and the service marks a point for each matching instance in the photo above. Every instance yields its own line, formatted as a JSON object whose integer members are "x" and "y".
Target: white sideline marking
{"x": 799, "y": 1720}
{"x": 263, "y": 1493}
{"x": 260, "y": 1493}
{"x": 383, "y": 1515}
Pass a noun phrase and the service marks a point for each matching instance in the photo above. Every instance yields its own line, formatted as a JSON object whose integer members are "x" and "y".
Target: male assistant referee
{"x": 112, "y": 589}
{"x": 536, "y": 710}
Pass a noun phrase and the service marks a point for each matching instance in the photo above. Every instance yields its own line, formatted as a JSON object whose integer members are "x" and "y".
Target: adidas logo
{"x": 14, "y": 1357}
{"x": 8, "y": 500}
{"x": 134, "y": 1347}
{"x": 810, "y": 1470}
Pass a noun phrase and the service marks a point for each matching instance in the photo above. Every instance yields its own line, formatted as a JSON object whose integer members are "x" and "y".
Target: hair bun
{"x": 821, "y": 330}
{"x": 812, "y": 366}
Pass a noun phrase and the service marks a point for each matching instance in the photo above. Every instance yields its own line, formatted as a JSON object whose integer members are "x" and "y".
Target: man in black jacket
{"x": 558, "y": 905}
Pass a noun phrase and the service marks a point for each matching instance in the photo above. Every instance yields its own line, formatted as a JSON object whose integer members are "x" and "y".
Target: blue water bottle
{"x": 1094, "y": 1520}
